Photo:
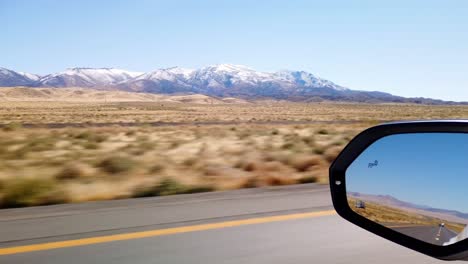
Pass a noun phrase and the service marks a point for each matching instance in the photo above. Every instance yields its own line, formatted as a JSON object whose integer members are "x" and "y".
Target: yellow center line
{"x": 158, "y": 232}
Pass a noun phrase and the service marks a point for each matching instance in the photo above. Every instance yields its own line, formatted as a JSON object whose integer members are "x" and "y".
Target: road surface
{"x": 294, "y": 224}
{"x": 432, "y": 234}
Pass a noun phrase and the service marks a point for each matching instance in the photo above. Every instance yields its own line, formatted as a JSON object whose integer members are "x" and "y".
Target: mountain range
{"x": 223, "y": 80}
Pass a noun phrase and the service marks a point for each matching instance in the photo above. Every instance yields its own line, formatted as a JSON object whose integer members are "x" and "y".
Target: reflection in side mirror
{"x": 408, "y": 182}
{"x": 415, "y": 184}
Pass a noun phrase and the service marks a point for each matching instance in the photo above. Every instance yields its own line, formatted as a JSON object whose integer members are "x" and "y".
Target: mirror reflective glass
{"x": 415, "y": 184}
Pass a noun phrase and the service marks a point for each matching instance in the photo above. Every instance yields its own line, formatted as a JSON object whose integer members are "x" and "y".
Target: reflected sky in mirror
{"x": 426, "y": 169}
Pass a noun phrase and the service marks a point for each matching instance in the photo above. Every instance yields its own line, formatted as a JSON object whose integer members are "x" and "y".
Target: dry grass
{"x": 391, "y": 216}
{"x": 145, "y": 112}
{"x": 98, "y": 151}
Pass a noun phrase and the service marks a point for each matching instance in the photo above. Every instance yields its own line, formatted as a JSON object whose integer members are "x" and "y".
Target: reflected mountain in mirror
{"x": 414, "y": 184}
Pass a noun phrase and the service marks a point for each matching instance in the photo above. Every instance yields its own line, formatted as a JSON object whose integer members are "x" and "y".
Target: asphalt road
{"x": 292, "y": 224}
{"x": 432, "y": 234}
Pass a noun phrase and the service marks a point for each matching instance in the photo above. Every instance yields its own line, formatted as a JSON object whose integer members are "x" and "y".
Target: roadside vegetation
{"x": 394, "y": 217}
{"x": 55, "y": 152}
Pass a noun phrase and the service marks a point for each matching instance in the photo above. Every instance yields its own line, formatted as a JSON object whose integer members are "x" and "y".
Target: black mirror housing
{"x": 455, "y": 251}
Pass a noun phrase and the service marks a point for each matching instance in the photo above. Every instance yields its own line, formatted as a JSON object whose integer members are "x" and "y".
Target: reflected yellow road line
{"x": 158, "y": 232}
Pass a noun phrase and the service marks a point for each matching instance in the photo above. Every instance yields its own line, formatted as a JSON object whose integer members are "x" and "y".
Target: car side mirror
{"x": 408, "y": 182}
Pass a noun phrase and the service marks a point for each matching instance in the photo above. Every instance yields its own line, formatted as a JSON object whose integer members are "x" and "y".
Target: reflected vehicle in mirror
{"x": 408, "y": 183}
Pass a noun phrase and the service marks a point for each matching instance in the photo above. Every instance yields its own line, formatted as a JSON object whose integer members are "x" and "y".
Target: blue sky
{"x": 427, "y": 169}
{"x": 409, "y": 48}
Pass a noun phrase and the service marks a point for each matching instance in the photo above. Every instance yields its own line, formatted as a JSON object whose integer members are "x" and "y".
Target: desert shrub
{"x": 130, "y": 133}
{"x": 239, "y": 164}
{"x": 288, "y": 145}
{"x": 211, "y": 170}
{"x": 199, "y": 189}
{"x": 12, "y": 127}
{"x": 308, "y": 179}
{"x": 90, "y": 145}
{"x": 147, "y": 145}
{"x": 143, "y": 138}
{"x": 156, "y": 168}
{"x": 174, "y": 144}
{"x": 72, "y": 171}
{"x": 303, "y": 163}
{"x": 39, "y": 144}
{"x": 269, "y": 157}
{"x": 267, "y": 179}
{"x": 189, "y": 162}
{"x": 91, "y": 137}
{"x": 318, "y": 150}
{"x": 117, "y": 164}
{"x": 169, "y": 186}
{"x": 18, "y": 153}
{"x": 331, "y": 153}
{"x": 250, "y": 166}
{"x": 282, "y": 157}
{"x": 31, "y": 145}
{"x": 99, "y": 138}
{"x": 273, "y": 166}
{"x": 309, "y": 140}
{"x": 276, "y": 180}
{"x": 338, "y": 143}
{"x": 84, "y": 135}
{"x": 323, "y": 131}
{"x": 250, "y": 182}
{"x": 29, "y": 192}
{"x": 135, "y": 151}
{"x": 143, "y": 191}
{"x": 243, "y": 134}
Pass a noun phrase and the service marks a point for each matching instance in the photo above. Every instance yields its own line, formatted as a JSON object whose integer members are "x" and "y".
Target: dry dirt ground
{"x": 64, "y": 151}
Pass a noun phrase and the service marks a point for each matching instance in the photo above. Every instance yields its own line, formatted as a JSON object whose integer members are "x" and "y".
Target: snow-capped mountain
{"x": 13, "y": 78}
{"x": 170, "y": 80}
{"x": 215, "y": 78}
{"x": 222, "y": 80}
{"x": 230, "y": 75}
{"x": 303, "y": 78}
{"x": 86, "y": 77}
{"x": 227, "y": 80}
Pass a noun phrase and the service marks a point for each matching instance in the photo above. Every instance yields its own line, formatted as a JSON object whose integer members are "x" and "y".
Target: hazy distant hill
{"x": 222, "y": 80}
{"x": 91, "y": 95}
{"x": 391, "y": 201}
